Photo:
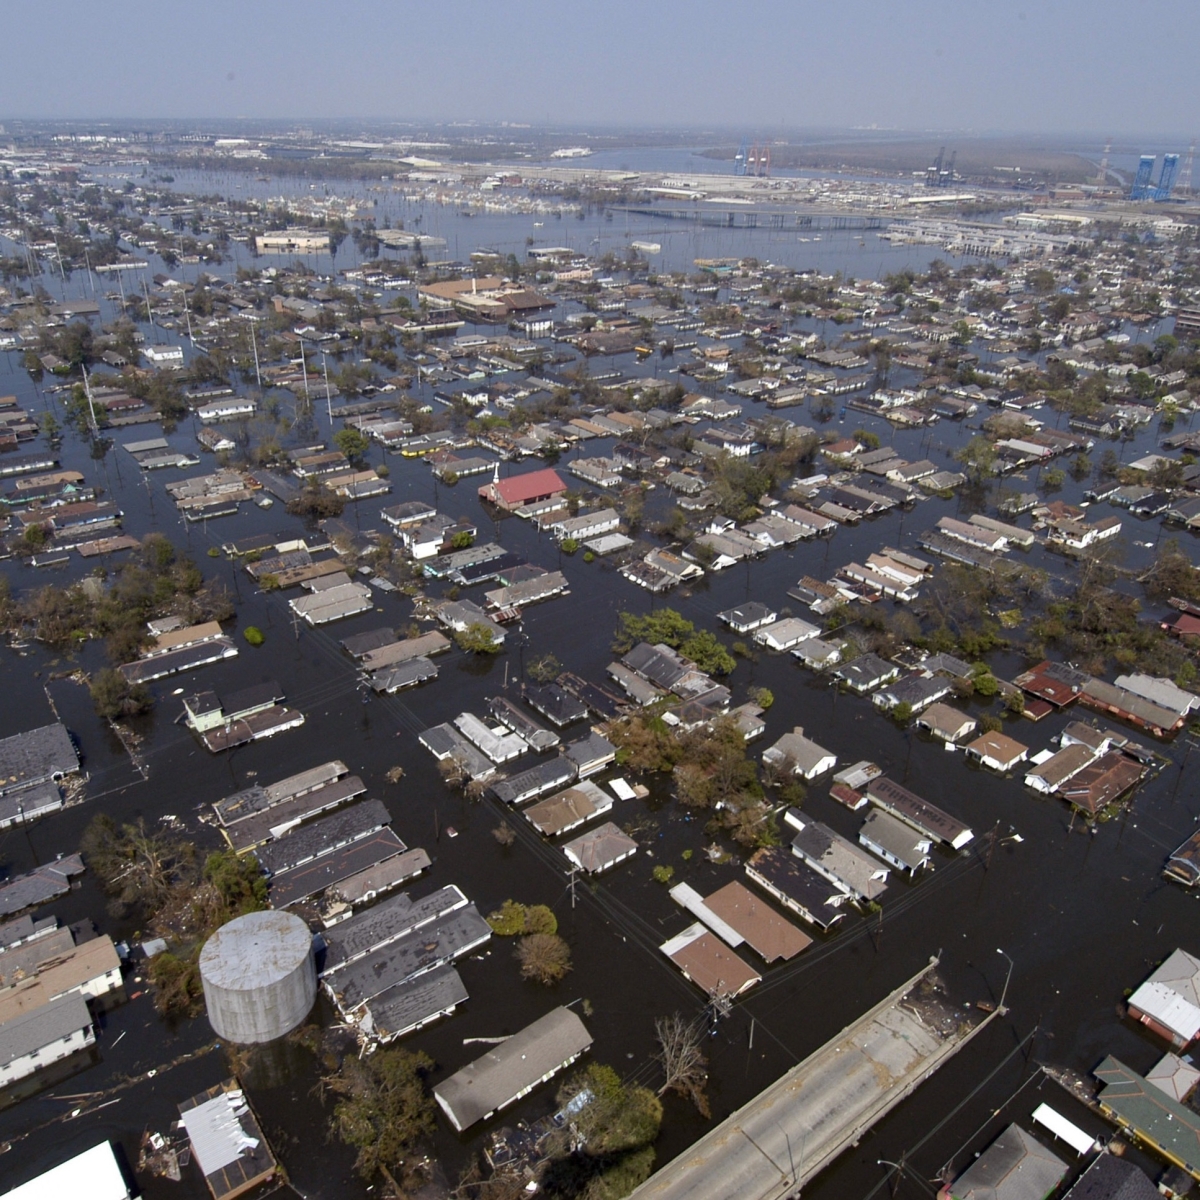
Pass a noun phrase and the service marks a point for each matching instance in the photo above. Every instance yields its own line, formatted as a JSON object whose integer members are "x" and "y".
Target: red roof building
{"x": 519, "y": 490}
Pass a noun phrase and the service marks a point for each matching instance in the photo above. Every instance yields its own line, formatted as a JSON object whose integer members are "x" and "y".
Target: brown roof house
{"x": 996, "y": 751}
{"x": 709, "y": 963}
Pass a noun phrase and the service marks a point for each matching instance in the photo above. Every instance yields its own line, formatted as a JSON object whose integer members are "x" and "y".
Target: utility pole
{"x": 573, "y": 872}
{"x": 254, "y": 343}
{"x": 87, "y": 388}
{"x": 328, "y": 396}
{"x": 149, "y": 313}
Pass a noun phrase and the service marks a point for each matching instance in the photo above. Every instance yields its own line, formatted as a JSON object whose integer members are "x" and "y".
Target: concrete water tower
{"x": 259, "y": 976}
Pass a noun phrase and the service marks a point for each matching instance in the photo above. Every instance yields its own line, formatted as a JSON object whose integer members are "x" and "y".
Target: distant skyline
{"x": 1030, "y": 66}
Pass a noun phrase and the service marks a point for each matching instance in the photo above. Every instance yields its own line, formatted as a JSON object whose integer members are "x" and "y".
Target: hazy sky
{"x": 1109, "y": 66}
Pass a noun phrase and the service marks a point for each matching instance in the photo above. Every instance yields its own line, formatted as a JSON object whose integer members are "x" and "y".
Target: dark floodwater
{"x": 1082, "y": 917}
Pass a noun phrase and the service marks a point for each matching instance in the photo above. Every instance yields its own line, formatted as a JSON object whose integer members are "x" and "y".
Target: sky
{"x": 1104, "y": 66}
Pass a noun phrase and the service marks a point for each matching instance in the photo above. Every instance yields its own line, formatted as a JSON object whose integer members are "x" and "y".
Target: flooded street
{"x": 1081, "y": 915}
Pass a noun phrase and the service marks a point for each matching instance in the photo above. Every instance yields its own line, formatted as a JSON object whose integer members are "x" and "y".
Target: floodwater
{"x": 1082, "y": 917}
{"x": 861, "y": 255}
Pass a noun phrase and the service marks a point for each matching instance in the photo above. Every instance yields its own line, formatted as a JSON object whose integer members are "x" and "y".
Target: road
{"x": 770, "y": 1148}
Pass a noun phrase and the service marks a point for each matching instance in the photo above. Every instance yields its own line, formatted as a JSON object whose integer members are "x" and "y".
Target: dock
{"x": 772, "y": 1147}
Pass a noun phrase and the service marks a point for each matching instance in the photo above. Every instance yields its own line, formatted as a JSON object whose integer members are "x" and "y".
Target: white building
{"x": 165, "y": 356}
{"x": 33, "y": 1040}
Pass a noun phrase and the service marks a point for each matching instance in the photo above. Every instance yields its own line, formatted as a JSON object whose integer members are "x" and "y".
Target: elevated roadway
{"x": 774, "y": 1145}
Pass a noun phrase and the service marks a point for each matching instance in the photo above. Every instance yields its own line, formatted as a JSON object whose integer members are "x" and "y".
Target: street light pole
{"x": 1004, "y": 993}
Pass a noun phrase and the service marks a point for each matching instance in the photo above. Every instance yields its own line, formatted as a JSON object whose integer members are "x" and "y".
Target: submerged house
{"x": 513, "y": 1068}
{"x": 1168, "y": 1002}
{"x": 839, "y": 860}
{"x": 1016, "y": 1166}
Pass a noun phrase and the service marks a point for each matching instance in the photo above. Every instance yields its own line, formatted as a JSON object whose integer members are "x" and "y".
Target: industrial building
{"x": 259, "y": 976}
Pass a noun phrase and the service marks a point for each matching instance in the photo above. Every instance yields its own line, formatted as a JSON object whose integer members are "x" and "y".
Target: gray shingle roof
{"x": 511, "y": 1069}
{"x": 27, "y": 759}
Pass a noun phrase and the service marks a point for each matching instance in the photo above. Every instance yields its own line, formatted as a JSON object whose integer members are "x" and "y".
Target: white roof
{"x": 94, "y": 1174}
{"x": 1058, "y": 1125}
{"x": 622, "y": 789}
{"x": 215, "y": 1131}
{"x": 1168, "y": 1008}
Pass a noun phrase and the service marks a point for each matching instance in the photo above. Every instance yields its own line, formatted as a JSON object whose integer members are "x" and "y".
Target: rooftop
{"x": 1016, "y": 1166}
{"x": 513, "y": 1068}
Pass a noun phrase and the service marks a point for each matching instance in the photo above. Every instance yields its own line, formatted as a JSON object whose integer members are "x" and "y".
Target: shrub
{"x": 570, "y": 545}
{"x": 253, "y": 635}
{"x": 663, "y": 874}
{"x": 588, "y": 556}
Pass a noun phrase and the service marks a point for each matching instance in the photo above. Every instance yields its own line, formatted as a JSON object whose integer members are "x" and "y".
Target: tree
{"x": 315, "y": 501}
{"x": 705, "y": 649}
{"x": 136, "y": 867}
{"x": 682, "y": 1059}
{"x": 544, "y": 669}
{"x": 352, "y": 443}
{"x": 114, "y": 696}
{"x": 544, "y": 957}
{"x": 986, "y": 684}
{"x": 477, "y": 638}
{"x": 383, "y": 1110}
{"x": 462, "y": 540}
{"x": 616, "y": 1126}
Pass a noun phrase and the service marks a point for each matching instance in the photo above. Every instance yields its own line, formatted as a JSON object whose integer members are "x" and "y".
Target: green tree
{"x": 114, "y": 696}
{"x": 617, "y": 1126}
{"x": 383, "y": 1110}
{"x": 477, "y": 638}
{"x": 508, "y": 920}
{"x": 353, "y": 443}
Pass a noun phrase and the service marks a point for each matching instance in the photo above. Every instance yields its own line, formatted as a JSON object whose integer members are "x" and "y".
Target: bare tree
{"x": 682, "y": 1059}
{"x": 544, "y": 957}
{"x": 453, "y": 773}
{"x": 503, "y": 833}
